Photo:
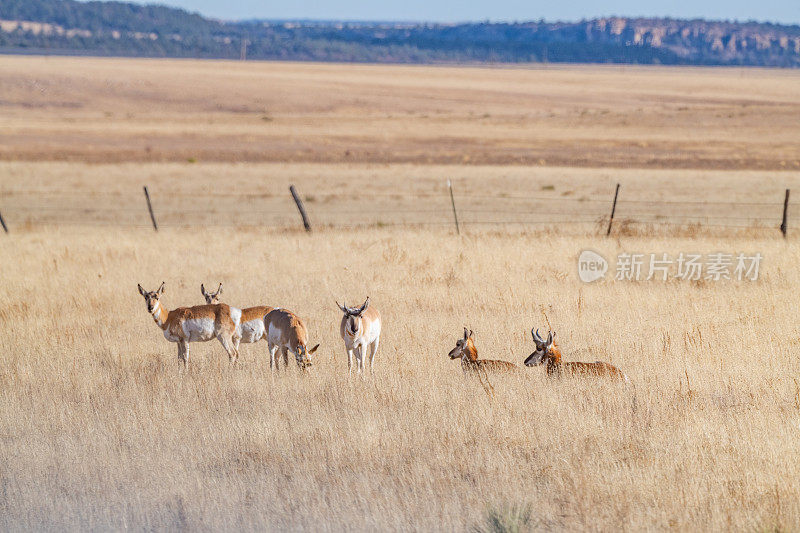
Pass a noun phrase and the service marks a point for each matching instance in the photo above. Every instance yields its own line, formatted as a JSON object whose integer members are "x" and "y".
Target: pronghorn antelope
{"x": 286, "y": 331}
{"x": 361, "y": 332}
{"x": 211, "y": 297}
{"x": 252, "y": 322}
{"x": 200, "y": 323}
{"x": 548, "y": 353}
{"x": 465, "y": 349}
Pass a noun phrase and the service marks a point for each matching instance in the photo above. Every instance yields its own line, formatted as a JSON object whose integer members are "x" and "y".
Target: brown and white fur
{"x": 548, "y": 353}
{"x": 252, "y": 323}
{"x": 361, "y": 332}
{"x": 287, "y": 332}
{"x": 465, "y": 349}
{"x": 200, "y": 323}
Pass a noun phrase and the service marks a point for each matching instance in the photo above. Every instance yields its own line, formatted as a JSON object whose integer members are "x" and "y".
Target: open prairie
{"x": 104, "y": 110}
{"x": 101, "y": 429}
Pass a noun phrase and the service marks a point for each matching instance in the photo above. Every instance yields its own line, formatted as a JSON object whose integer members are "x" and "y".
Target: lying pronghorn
{"x": 465, "y": 349}
{"x": 286, "y": 331}
{"x": 361, "y": 332}
{"x": 548, "y": 352}
{"x": 252, "y": 323}
{"x": 200, "y": 323}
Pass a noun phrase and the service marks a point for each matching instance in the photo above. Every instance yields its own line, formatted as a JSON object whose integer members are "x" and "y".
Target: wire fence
{"x": 21, "y": 208}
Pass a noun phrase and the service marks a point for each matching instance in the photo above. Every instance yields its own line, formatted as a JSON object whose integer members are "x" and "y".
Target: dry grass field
{"x": 105, "y": 110}
{"x": 100, "y": 429}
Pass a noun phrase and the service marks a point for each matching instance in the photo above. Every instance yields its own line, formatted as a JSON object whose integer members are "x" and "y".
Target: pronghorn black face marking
{"x": 353, "y": 315}
{"x": 211, "y": 297}
{"x": 353, "y": 324}
{"x": 544, "y": 349}
{"x": 151, "y": 297}
{"x": 462, "y": 346}
{"x": 455, "y": 353}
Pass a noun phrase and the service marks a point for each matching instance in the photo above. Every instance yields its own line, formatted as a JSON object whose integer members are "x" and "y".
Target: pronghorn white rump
{"x": 287, "y": 332}
{"x": 252, "y": 324}
{"x": 361, "y": 332}
{"x": 200, "y": 323}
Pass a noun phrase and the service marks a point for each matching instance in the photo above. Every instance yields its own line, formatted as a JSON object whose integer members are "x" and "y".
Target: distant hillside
{"x": 116, "y": 28}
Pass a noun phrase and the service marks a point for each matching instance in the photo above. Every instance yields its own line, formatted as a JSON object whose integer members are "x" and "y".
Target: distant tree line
{"x": 117, "y": 28}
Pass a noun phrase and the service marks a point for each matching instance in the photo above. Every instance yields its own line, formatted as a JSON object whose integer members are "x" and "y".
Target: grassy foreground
{"x": 100, "y": 429}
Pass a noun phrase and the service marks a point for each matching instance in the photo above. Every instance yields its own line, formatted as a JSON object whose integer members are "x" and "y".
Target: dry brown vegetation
{"x": 99, "y": 429}
{"x": 146, "y": 110}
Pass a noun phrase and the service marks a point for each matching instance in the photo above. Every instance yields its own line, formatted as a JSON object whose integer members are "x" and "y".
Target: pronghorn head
{"x": 353, "y": 315}
{"x": 544, "y": 349}
{"x": 465, "y": 348}
{"x": 211, "y": 297}
{"x": 151, "y": 297}
{"x": 303, "y": 355}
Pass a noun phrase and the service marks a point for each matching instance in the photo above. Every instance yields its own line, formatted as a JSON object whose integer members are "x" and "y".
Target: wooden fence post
{"x": 300, "y": 207}
{"x": 3, "y": 223}
{"x": 453, "y": 202}
{"x": 784, "y": 227}
{"x": 613, "y": 210}
{"x": 150, "y": 208}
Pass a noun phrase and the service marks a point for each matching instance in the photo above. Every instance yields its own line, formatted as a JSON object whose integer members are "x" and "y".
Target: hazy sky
{"x": 785, "y": 11}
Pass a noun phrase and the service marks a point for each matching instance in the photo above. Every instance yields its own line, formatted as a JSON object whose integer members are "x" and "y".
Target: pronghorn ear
{"x": 466, "y": 335}
{"x": 141, "y": 290}
{"x": 314, "y": 349}
{"x": 549, "y": 337}
{"x": 160, "y": 290}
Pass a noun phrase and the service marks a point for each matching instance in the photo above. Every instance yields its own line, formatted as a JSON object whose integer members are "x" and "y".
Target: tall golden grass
{"x": 101, "y": 429}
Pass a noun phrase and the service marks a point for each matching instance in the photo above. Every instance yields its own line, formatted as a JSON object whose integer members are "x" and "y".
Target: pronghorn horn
{"x": 161, "y": 288}
{"x": 342, "y": 307}
{"x": 465, "y": 333}
{"x": 470, "y": 333}
{"x": 537, "y": 337}
{"x": 549, "y": 337}
{"x": 219, "y": 290}
{"x": 363, "y": 307}
{"x": 203, "y": 289}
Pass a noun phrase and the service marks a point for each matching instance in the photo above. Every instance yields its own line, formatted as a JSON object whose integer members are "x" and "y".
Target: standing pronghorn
{"x": 200, "y": 323}
{"x": 465, "y": 349}
{"x": 286, "y": 331}
{"x": 548, "y": 352}
{"x": 252, "y": 323}
{"x": 361, "y": 331}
